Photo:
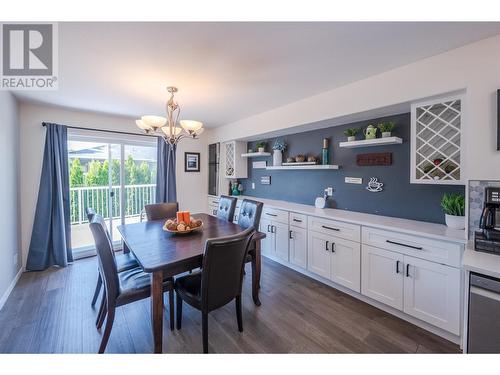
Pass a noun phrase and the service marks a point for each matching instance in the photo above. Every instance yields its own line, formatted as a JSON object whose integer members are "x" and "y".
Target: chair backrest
{"x": 161, "y": 210}
{"x": 250, "y": 213}
{"x": 222, "y": 272}
{"x": 90, "y": 213}
{"x": 105, "y": 255}
{"x": 226, "y": 208}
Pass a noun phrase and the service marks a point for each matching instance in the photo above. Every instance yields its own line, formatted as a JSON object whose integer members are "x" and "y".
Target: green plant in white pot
{"x": 453, "y": 206}
{"x": 386, "y": 128}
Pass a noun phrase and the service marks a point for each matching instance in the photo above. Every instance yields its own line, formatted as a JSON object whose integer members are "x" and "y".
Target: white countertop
{"x": 483, "y": 263}
{"x": 419, "y": 228}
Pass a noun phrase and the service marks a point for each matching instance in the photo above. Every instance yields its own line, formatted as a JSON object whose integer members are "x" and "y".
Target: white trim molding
{"x": 10, "y": 288}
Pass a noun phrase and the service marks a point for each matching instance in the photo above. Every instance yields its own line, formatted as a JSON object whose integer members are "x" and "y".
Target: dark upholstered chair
{"x": 250, "y": 213}
{"x": 159, "y": 211}
{"x": 124, "y": 262}
{"x": 218, "y": 282}
{"x": 120, "y": 288}
{"x": 227, "y": 206}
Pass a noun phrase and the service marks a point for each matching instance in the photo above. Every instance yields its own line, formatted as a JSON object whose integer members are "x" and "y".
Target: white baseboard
{"x": 10, "y": 288}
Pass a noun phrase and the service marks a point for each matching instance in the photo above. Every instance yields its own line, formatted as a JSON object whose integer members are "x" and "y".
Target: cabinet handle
{"x": 290, "y": 234}
{"x": 297, "y": 220}
{"x": 273, "y": 229}
{"x": 405, "y": 245}
{"x": 267, "y": 213}
{"x": 408, "y": 270}
{"x": 216, "y": 202}
{"x": 326, "y": 245}
{"x": 335, "y": 229}
{"x": 397, "y": 266}
{"x": 333, "y": 247}
{"x": 268, "y": 230}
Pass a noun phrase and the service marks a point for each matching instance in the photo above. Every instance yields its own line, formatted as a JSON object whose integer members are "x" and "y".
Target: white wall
{"x": 475, "y": 68}
{"x": 32, "y": 143}
{"x": 10, "y": 256}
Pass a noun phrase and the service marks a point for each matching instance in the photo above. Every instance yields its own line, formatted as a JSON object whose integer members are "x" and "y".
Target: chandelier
{"x": 167, "y": 127}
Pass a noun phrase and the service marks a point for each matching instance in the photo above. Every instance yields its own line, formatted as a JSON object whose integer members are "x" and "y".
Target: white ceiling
{"x": 228, "y": 71}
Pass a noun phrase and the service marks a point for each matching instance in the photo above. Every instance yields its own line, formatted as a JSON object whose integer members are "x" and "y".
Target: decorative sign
{"x": 265, "y": 180}
{"x": 259, "y": 164}
{"x": 381, "y": 158}
{"x": 374, "y": 186}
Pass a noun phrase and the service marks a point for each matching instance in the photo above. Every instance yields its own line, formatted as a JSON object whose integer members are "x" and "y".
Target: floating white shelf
{"x": 255, "y": 154}
{"x": 372, "y": 142}
{"x": 316, "y": 166}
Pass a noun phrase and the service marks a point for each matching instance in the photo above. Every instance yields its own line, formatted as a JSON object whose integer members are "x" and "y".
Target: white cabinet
{"x": 334, "y": 258}
{"x": 275, "y": 245}
{"x": 298, "y": 246}
{"x": 382, "y": 276}
{"x": 436, "y": 141}
{"x": 234, "y": 165}
{"x": 432, "y": 293}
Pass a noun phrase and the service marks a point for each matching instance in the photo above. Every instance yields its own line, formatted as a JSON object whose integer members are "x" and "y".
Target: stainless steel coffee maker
{"x": 488, "y": 237}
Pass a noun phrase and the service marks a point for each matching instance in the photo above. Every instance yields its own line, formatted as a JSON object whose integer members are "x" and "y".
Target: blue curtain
{"x": 166, "y": 190}
{"x": 50, "y": 239}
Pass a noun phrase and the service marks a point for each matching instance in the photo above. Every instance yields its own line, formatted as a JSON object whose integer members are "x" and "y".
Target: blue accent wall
{"x": 398, "y": 199}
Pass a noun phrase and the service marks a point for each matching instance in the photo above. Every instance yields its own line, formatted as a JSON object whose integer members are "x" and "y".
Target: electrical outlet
{"x": 329, "y": 191}
{"x": 253, "y": 185}
{"x": 353, "y": 180}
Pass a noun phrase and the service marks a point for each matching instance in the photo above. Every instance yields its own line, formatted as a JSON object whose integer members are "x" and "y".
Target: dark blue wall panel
{"x": 398, "y": 199}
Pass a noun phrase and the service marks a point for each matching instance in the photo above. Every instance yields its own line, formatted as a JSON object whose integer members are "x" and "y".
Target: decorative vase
{"x": 261, "y": 149}
{"x": 386, "y": 134}
{"x": 351, "y": 138}
{"x": 277, "y": 158}
{"x": 455, "y": 222}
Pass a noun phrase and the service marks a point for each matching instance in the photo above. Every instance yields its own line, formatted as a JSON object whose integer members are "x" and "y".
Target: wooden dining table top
{"x": 157, "y": 249}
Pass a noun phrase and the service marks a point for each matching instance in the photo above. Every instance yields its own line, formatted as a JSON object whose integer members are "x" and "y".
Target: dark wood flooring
{"x": 49, "y": 312}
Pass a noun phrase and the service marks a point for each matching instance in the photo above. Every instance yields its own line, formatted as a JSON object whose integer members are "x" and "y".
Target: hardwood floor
{"x": 49, "y": 312}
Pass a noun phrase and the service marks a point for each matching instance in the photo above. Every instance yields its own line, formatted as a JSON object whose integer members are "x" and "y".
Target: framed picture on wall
{"x": 191, "y": 162}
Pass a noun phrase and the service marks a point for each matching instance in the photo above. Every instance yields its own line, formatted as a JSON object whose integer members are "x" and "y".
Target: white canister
{"x": 455, "y": 222}
{"x": 277, "y": 158}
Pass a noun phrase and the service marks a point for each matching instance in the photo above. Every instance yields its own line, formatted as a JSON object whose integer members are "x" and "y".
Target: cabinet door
{"x": 319, "y": 254}
{"x": 281, "y": 240}
{"x": 267, "y": 243}
{"x": 432, "y": 293}
{"x": 382, "y": 276}
{"x": 346, "y": 263}
{"x": 298, "y": 246}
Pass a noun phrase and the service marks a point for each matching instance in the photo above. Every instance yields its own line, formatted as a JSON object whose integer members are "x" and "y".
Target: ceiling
{"x": 229, "y": 71}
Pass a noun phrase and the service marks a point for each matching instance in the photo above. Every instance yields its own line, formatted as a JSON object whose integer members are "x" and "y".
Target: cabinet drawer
{"x": 336, "y": 228}
{"x": 298, "y": 220}
{"x": 275, "y": 215}
{"x": 418, "y": 247}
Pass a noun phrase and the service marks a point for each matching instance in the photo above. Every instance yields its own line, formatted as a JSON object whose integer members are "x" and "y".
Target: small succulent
{"x": 261, "y": 144}
{"x": 279, "y": 145}
{"x": 386, "y": 127}
{"x": 351, "y": 132}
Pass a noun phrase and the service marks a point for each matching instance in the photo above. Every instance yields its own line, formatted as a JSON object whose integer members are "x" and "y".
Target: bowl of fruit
{"x": 183, "y": 223}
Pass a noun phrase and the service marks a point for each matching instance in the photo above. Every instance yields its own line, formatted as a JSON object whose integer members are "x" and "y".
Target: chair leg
{"x": 171, "y": 308}
{"x": 238, "y": 313}
{"x": 107, "y": 330}
{"x": 179, "y": 311}
{"x": 102, "y": 312}
{"x": 97, "y": 289}
{"x": 204, "y": 328}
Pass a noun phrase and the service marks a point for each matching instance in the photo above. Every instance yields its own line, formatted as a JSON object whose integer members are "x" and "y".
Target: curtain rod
{"x": 106, "y": 131}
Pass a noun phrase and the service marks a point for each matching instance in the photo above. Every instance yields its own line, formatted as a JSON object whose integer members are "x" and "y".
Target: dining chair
{"x": 227, "y": 206}
{"x": 249, "y": 216}
{"x": 120, "y": 288}
{"x": 158, "y": 211}
{"x": 218, "y": 282}
{"x": 124, "y": 262}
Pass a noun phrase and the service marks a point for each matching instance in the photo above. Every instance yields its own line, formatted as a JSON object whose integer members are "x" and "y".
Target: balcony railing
{"x": 106, "y": 201}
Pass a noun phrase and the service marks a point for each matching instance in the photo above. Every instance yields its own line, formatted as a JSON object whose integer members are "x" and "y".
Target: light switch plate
{"x": 353, "y": 180}
{"x": 253, "y": 185}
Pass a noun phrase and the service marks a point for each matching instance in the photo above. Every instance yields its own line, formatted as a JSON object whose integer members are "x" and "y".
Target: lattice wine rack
{"x": 436, "y": 141}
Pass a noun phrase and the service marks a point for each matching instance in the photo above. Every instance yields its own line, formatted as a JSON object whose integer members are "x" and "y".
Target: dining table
{"x": 165, "y": 254}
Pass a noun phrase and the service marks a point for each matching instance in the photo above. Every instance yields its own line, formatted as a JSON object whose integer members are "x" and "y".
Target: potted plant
{"x": 261, "y": 146}
{"x": 351, "y": 134}
{"x": 453, "y": 206}
{"x": 386, "y": 128}
{"x": 278, "y": 148}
